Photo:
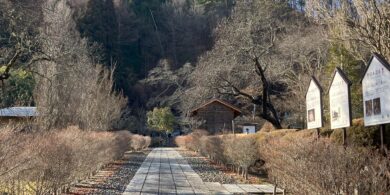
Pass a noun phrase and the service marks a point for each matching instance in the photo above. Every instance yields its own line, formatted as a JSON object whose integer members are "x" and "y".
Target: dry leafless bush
{"x": 13, "y": 153}
{"x": 182, "y": 140}
{"x": 305, "y": 166}
{"x": 237, "y": 150}
{"x": 148, "y": 142}
{"x": 357, "y": 134}
{"x": 139, "y": 142}
{"x": 212, "y": 147}
{"x": 247, "y": 154}
{"x": 267, "y": 127}
{"x": 49, "y": 161}
{"x": 241, "y": 151}
{"x": 193, "y": 143}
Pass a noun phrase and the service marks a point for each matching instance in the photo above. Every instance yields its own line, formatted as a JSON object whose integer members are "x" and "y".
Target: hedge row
{"x": 48, "y": 162}
{"x": 298, "y": 162}
{"x": 236, "y": 151}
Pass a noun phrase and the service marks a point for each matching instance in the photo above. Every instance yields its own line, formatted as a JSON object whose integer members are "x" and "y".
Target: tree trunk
{"x": 246, "y": 173}
{"x": 266, "y": 102}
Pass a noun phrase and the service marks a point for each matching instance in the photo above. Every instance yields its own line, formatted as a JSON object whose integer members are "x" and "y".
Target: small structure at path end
{"x": 217, "y": 115}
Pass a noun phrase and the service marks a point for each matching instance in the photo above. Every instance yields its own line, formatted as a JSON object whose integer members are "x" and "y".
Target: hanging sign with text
{"x": 314, "y": 105}
{"x": 376, "y": 92}
{"x": 339, "y": 101}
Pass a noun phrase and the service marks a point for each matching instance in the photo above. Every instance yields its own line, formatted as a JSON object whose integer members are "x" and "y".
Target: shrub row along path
{"x": 165, "y": 171}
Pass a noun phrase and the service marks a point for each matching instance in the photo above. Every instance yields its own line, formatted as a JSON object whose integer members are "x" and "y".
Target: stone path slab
{"x": 233, "y": 188}
{"x": 165, "y": 171}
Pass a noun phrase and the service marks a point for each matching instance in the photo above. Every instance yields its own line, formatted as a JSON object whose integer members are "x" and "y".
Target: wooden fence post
{"x": 345, "y": 136}
{"x": 318, "y": 133}
{"x": 274, "y": 193}
{"x": 382, "y": 129}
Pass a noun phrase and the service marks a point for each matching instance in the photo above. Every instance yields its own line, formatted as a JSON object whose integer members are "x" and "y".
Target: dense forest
{"x": 179, "y": 53}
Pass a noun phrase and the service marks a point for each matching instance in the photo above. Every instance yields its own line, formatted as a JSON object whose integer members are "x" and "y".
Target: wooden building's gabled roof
{"x": 236, "y": 110}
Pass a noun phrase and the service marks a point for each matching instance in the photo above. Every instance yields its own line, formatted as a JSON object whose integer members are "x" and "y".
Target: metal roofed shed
{"x": 19, "y": 112}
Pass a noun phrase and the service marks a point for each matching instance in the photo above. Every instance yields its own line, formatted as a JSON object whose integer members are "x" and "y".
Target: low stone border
{"x": 114, "y": 178}
{"x": 207, "y": 171}
{"x": 211, "y": 172}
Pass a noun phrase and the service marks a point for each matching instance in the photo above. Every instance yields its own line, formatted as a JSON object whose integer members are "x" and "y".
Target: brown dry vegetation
{"x": 298, "y": 162}
{"x": 47, "y": 162}
{"x": 307, "y": 166}
{"x": 139, "y": 142}
{"x": 236, "y": 151}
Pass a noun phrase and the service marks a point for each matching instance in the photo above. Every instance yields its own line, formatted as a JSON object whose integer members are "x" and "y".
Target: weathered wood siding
{"x": 217, "y": 117}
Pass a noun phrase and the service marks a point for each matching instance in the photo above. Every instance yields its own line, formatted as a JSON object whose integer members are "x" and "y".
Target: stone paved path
{"x": 165, "y": 171}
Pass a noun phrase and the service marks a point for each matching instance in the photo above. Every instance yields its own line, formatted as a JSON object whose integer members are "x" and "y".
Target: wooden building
{"x": 217, "y": 116}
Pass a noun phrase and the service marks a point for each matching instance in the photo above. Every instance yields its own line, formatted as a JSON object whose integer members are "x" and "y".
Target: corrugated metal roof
{"x": 19, "y": 112}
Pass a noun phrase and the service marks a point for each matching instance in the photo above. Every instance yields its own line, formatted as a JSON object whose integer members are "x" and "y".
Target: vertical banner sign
{"x": 314, "y": 105}
{"x": 376, "y": 92}
{"x": 339, "y": 100}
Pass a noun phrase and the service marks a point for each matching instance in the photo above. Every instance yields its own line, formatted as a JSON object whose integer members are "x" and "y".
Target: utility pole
{"x": 233, "y": 126}
{"x": 254, "y": 112}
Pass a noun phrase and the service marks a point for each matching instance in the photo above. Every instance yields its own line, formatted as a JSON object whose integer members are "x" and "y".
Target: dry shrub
{"x": 47, "y": 162}
{"x": 194, "y": 143}
{"x": 14, "y": 152}
{"x": 357, "y": 134}
{"x": 212, "y": 147}
{"x": 191, "y": 141}
{"x": 241, "y": 151}
{"x": 306, "y": 166}
{"x": 181, "y": 141}
{"x": 267, "y": 127}
{"x": 247, "y": 151}
{"x": 148, "y": 141}
{"x": 229, "y": 149}
{"x": 139, "y": 142}
{"x": 261, "y": 136}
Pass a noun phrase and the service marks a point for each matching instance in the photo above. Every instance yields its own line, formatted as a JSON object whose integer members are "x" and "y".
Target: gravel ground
{"x": 114, "y": 178}
{"x": 208, "y": 171}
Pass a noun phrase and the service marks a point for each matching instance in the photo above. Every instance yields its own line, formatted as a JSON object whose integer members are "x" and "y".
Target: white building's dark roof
{"x": 18, "y": 112}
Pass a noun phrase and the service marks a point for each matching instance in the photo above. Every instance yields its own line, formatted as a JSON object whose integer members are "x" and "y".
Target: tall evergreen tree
{"x": 100, "y": 25}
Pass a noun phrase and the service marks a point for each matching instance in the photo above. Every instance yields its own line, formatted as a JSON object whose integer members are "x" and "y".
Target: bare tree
{"x": 172, "y": 82}
{"x": 72, "y": 89}
{"x": 249, "y": 59}
{"x": 19, "y": 45}
{"x": 361, "y": 25}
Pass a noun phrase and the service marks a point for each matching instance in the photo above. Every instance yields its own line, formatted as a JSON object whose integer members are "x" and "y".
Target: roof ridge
{"x": 218, "y": 100}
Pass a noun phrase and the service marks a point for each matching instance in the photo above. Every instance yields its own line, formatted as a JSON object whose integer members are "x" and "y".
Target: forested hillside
{"x": 136, "y": 35}
{"x": 179, "y": 53}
